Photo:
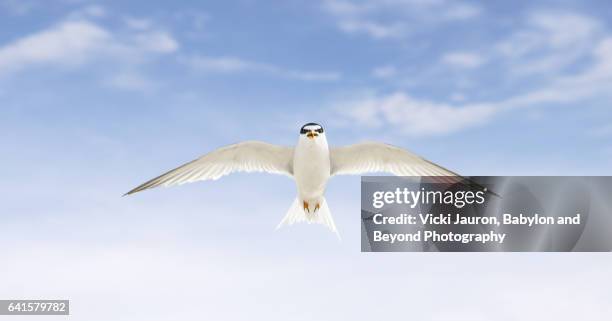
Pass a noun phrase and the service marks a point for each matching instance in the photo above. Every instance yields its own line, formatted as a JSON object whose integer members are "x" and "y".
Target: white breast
{"x": 311, "y": 167}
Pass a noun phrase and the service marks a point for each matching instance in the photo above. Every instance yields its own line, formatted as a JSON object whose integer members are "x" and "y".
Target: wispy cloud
{"x": 544, "y": 44}
{"x": 541, "y": 44}
{"x": 75, "y": 42}
{"x": 463, "y": 59}
{"x": 593, "y": 81}
{"x": 70, "y": 42}
{"x": 412, "y": 116}
{"x": 423, "y": 117}
{"x": 80, "y": 40}
{"x": 394, "y": 18}
{"x": 227, "y": 64}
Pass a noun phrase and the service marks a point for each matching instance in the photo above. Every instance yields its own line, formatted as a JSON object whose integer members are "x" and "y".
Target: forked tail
{"x": 297, "y": 214}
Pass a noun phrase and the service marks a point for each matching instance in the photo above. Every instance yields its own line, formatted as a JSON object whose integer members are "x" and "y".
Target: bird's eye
{"x": 320, "y": 130}
{"x": 303, "y": 131}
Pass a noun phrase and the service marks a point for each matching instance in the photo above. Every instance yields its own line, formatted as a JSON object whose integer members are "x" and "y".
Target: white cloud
{"x": 155, "y": 41}
{"x": 165, "y": 279}
{"x": 310, "y": 75}
{"x": 237, "y": 65}
{"x": 542, "y": 44}
{"x": 395, "y": 18}
{"x": 548, "y": 42}
{"x": 593, "y": 81}
{"x": 572, "y": 29}
{"x": 412, "y": 116}
{"x": 78, "y": 40}
{"x": 407, "y": 115}
{"x": 75, "y": 42}
{"x": 463, "y": 59}
{"x": 373, "y": 29}
{"x": 70, "y": 42}
{"x": 415, "y": 117}
{"x": 222, "y": 64}
{"x": 543, "y": 30}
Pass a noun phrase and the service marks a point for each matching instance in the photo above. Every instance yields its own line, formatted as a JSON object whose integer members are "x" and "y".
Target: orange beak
{"x": 312, "y": 134}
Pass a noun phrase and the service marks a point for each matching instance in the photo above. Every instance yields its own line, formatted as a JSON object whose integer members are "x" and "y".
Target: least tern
{"x": 311, "y": 163}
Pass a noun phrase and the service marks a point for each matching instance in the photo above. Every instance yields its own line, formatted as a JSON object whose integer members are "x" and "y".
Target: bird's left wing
{"x": 377, "y": 157}
{"x": 249, "y": 156}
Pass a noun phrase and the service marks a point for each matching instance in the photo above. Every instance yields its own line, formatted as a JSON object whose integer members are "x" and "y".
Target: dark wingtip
{"x": 488, "y": 191}
{"x": 131, "y": 192}
{"x": 137, "y": 189}
{"x": 495, "y": 194}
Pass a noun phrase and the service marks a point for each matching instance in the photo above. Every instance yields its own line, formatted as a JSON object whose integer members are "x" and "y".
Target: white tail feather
{"x": 296, "y": 214}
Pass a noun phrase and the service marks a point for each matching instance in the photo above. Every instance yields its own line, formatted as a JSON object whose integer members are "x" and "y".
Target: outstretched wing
{"x": 249, "y": 156}
{"x": 378, "y": 157}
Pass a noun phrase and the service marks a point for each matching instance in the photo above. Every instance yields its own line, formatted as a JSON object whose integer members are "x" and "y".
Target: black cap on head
{"x": 316, "y": 127}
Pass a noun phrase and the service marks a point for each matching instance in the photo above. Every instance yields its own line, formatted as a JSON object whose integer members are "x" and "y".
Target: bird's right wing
{"x": 377, "y": 157}
{"x": 249, "y": 156}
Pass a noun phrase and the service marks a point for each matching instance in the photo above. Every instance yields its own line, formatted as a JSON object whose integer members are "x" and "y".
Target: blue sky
{"x": 97, "y": 97}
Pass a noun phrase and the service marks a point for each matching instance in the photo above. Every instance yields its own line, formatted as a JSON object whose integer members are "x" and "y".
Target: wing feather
{"x": 377, "y": 157}
{"x": 252, "y": 156}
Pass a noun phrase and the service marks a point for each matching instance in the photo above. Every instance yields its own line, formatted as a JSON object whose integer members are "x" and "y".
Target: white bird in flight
{"x": 310, "y": 163}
